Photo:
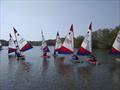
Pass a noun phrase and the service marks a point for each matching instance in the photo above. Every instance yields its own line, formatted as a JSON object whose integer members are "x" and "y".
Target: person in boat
{"x": 54, "y": 52}
{"x": 75, "y": 57}
{"x": 17, "y": 53}
{"x": 93, "y": 58}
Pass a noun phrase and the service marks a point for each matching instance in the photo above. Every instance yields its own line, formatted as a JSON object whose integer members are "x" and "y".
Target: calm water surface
{"x": 36, "y": 73}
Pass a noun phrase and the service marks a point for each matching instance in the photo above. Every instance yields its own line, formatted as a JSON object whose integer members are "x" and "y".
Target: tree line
{"x": 101, "y": 39}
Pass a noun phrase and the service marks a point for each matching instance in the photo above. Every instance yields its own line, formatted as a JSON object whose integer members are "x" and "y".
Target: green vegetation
{"x": 102, "y": 39}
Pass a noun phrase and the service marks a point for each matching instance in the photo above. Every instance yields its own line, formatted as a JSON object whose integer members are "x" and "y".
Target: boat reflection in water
{"x": 45, "y": 65}
{"x": 20, "y": 63}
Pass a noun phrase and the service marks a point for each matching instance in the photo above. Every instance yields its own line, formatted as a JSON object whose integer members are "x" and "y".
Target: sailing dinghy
{"x": 21, "y": 45}
{"x": 116, "y": 46}
{"x": 67, "y": 48}
{"x": 58, "y": 44}
{"x": 44, "y": 47}
{"x": 68, "y": 44}
{"x": 86, "y": 46}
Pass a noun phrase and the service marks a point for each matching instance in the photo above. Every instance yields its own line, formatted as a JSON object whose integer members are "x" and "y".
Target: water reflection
{"x": 11, "y": 57}
{"x": 45, "y": 65}
{"x": 25, "y": 66}
{"x": 82, "y": 76}
{"x": 58, "y": 60}
{"x": 65, "y": 72}
{"x": 116, "y": 75}
{"x": 22, "y": 75}
{"x": 22, "y": 64}
{"x": 17, "y": 74}
{"x": 62, "y": 68}
{"x": 57, "y": 73}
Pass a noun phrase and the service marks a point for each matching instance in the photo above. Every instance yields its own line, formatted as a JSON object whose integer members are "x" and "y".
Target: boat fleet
{"x": 18, "y": 46}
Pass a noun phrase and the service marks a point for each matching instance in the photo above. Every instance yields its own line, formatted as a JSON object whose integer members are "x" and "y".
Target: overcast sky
{"x": 30, "y": 16}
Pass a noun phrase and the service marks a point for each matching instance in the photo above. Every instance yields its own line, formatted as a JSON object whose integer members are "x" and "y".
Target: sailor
{"x": 75, "y": 57}
{"x": 93, "y": 58}
{"x": 44, "y": 54}
{"x": 17, "y": 53}
{"x": 54, "y": 52}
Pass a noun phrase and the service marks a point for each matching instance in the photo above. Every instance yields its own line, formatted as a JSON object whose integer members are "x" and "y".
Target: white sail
{"x": 22, "y": 44}
{"x": 44, "y": 46}
{"x": 58, "y": 42}
{"x": 68, "y": 44}
{"x": 116, "y": 44}
{"x": 11, "y": 46}
{"x": 86, "y": 46}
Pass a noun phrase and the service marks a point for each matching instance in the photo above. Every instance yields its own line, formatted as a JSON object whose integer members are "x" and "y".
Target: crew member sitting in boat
{"x": 17, "y": 53}
{"x": 75, "y": 57}
{"x": 93, "y": 58}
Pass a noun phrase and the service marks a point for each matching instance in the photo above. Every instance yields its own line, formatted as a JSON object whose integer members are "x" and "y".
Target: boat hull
{"x": 117, "y": 59}
{"x": 89, "y": 60}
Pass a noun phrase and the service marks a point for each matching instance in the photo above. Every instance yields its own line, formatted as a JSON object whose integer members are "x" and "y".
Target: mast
{"x": 71, "y": 29}
{"x": 90, "y": 28}
{"x": 55, "y": 44}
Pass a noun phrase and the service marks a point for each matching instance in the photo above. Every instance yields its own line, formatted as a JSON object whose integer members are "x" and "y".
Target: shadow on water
{"x": 22, "y": 64}
{"x": 61, "y": 67}
{"x": 45, "y": 65}
{"x": 65, "y": 72}
{"x": 115, "y": 69}
{"x": 16, "y": 74}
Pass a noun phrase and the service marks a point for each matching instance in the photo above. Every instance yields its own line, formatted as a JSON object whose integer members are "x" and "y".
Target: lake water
{"x": 36, "y": 73}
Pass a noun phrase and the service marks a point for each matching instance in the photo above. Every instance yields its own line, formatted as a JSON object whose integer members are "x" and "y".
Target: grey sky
{"x": 30, "y": 16}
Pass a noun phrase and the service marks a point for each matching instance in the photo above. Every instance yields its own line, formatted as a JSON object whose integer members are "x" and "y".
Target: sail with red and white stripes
{"x": 86, "y": 46}
{"x": 44, "y": 46}
{"x": 22, "y": 44}
{"x": 11, "y": 46}
{"x": 68, "y": 44}
{"x": 58, "y": 42}
{"x": 116, "y": 45}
